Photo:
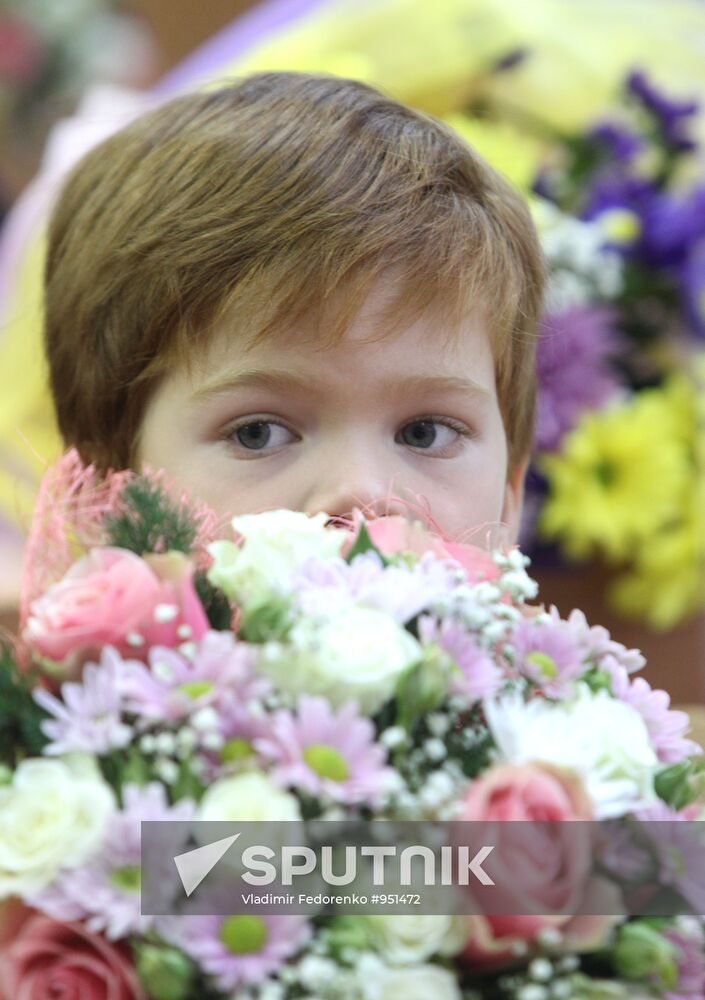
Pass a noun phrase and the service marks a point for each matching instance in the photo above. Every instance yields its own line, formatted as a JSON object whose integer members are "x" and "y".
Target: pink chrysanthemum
{"x": 479, "y": 675}
{"x": 666, "y": 726}
{"x": 105, "y": 892}
{"x": 241, "y": 949}
{"x": 87, "y": 717}
{"x": 399, "y": 591}
{"x": 686, "y": 934}
{"x": 325, "y": 752}
{"x": 239, "y": 727}
{"x": 675, "y": 841}
{"x": 598, "y": 644}
{"x": 173, "y": 686}
{"x": 549, "y": 654}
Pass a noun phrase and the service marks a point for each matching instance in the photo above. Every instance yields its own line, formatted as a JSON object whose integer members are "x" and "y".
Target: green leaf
{"x": 215, "y": 603}
{"x": 187, "y": 785}
{"x": 363, "y": 543}
{"x": 20, "y": 716}
{"x": 270, "y": 620}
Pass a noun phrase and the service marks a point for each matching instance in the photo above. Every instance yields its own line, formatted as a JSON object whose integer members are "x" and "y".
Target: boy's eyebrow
{"x": 283, "y": 381}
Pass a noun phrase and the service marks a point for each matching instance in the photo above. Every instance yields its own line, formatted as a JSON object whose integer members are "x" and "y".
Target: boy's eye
{"x": 256, "y": 434}
{"x": 422, "y": 433}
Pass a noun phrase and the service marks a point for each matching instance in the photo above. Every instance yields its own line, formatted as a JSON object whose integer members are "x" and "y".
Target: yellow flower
{"x": 667, "y": 582}
{"x": 621, "y": 476}
{"x": 620, "y": 225}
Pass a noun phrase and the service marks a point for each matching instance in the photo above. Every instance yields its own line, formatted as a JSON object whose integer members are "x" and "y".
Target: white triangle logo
{"x": 193, "y": 866}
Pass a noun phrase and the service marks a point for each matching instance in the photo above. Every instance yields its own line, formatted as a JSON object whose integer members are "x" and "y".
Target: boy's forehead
{"x": 421, "y": 356}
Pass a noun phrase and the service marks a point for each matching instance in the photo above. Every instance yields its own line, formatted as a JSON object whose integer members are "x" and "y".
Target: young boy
{"x": 294, "y": 291}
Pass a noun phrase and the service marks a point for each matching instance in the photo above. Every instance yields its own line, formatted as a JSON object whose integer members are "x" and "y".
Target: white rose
{"x": 358, "y": 653}
{"x": 601, "y": 738}
{"x": 409, "y": 937}
{"x": 247, "y": 796}
{"x": 53, "y": 816}
{"x": 378, "y": 981}
{"x": 276, "y": 543}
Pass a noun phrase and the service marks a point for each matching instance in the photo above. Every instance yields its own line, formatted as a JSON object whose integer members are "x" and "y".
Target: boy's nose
{"x": 340, "y": 505}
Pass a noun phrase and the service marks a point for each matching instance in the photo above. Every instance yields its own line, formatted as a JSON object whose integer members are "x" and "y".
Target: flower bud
{"x": 642, "y": 953}
{"x": 165, "y": 972}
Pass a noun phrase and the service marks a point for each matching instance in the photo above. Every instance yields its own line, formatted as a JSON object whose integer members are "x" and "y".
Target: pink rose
{"x": 13, "y": 913}
{"x": 49, "y": 959}
{"x": 397, "y": 534}
{"x": 539, "y": 870}
{"x": 112, "y": 596}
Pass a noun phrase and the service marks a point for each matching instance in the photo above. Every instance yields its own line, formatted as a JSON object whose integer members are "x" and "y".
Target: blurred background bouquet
{"x": 49, "y": 54}
{"x": 593, "y": 112}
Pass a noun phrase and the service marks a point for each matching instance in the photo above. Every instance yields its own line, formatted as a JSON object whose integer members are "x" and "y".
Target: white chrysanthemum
{"x": 360, "y": 653}
{"x": 276, "y": 543}
{"x": 54, "y": 814}
{"x": 601, "y": 738}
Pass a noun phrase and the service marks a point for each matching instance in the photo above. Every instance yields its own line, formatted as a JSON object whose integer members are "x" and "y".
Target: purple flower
{"x": 686, "y": 934}
{"x": 613, "y": 188}
{"x": 573, "y": 370}
{"x": 672, "y": 115}
{"x": 622, "y": 144}
{"x": 324, "y": 586}
{"x": 87, "y": 717}
{"x": 676, "y": 841}
{"x": 692, "y": 281}
{"x": 325, "y": 752}
{"x": 599, "y": 647}
{"x": 666, "y": 726}
{"x": 549, "y": 654}
{"x": 240, "y": 949}
{"x": 105, "y": 892}
{"x": 239, "y": 725}
{"x": 671, "y": 224}
{"x": 172, "y": 687}
{"x": 479, "y": 676}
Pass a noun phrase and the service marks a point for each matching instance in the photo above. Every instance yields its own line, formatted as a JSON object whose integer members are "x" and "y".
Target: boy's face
{"x": 330, "y": 429}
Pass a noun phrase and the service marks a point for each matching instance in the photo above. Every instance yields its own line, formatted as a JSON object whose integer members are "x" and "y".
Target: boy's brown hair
{"x": 262, "y": 198}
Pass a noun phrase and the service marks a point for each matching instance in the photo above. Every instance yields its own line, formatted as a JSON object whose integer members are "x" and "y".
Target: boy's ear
{"x": 514, "y": 499}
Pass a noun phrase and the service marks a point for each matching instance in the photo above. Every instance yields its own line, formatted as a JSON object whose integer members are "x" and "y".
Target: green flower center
{"x": 326, "y": 761}
{"x": 546, "y": 664}
{"x": 195, "y": 689}
{"x": 243, "y": 934}
{"x": 605, "y": 473}
{"x": 236, "y": 749}
{"x": 128, "y": 878}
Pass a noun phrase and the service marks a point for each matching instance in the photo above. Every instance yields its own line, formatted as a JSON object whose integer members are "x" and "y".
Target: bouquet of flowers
{"x": 288, "y": 667}
{"x": 618, "y": 472}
